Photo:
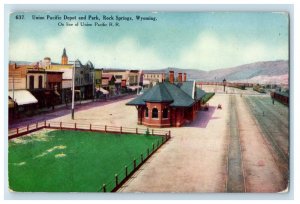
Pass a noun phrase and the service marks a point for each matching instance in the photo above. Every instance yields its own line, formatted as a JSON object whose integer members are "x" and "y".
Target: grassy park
{"x": 73, "y": 161}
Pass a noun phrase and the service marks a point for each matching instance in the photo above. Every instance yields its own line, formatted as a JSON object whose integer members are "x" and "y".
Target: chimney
{"x": 171, "y": 77}
{"x": 184, "y": 77}
{"x": 180, "y": 77}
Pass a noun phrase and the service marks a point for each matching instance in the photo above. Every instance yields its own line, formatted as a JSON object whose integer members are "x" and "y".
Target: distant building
{"x": 168, "y": 103}
{"x": 45, "y": 85}
{"x": 98, "y": 90}
{"x": 84, "y": 79}
{"x": 84, "y": 76}
{"x": 125, "y": 79}
{"x": 150, "y": 79}
{"x": 64, "y": 58}
{"x": 47, "y": 64}
{"x": 108, "y": 83}
{"x": 54, "y": 81}
{"x": 66, "y": 93}
{"x": 19, "y": 98}
{"x": 17, "y": 76}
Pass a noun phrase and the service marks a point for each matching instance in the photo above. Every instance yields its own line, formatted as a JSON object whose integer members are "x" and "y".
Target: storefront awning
{"x": 104, "y": 91}
{"x": 22, "y": 97}
{"x": 133, "y": 87}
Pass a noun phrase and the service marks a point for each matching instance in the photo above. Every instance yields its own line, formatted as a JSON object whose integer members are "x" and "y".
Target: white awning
{"x": 104, "y": 91}
{"x": 22, "y": 97}
{"x": 133, "y": 87}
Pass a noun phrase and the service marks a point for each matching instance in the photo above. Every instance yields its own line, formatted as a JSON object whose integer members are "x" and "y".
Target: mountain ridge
{"x": 278, "y": 70}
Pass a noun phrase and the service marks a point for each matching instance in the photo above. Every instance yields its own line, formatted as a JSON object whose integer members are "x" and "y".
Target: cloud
{"x": 124, "y": 53}
{"x": 208, "y": 51}
{"x": 23, "y": 49}
{"x": 211, "y": 51}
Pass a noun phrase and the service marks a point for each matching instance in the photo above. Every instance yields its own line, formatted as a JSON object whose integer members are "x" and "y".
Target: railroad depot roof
{"x": 158, "y": 93}
{"x": 179, "y": 95}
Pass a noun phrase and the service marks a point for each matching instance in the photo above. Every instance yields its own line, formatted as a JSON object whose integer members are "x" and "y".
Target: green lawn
{"x": 73, "y": 161}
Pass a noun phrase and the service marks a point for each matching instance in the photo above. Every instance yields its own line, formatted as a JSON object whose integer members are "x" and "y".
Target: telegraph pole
{"x": 73, "y": 90}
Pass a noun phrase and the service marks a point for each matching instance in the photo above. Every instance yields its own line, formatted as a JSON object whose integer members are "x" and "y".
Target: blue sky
{"x": 203, "y": 40}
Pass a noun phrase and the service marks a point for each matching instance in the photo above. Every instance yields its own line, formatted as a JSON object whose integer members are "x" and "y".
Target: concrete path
{"x": 194, "y": 160}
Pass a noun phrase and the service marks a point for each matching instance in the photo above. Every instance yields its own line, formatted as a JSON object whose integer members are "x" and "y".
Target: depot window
{"x": 154, "y": 113}
{"x": 165, "y": 113}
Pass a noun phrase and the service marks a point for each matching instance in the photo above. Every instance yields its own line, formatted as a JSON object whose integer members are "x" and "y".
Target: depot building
{"x": 169, "y": 103}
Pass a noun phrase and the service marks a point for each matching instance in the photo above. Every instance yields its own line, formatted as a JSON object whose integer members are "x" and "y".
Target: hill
{"x": 266, "y": 71}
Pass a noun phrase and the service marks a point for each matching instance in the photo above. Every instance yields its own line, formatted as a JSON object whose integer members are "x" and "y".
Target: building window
{"x": 154, "y": 113}
{"x": 146, "y": 112}
{"x": 40, "y": 82}
{"x": 165, "y": 113}
{"x": 31, "y": 82}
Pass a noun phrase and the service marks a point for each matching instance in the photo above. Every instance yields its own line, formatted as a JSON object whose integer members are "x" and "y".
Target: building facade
{"x": 97, "y": 83}
{"x": 125, "y": 80}
{"x": 150, "y": 79}
{"x": 108, "y": 83}
{"x": 84, "y": 79}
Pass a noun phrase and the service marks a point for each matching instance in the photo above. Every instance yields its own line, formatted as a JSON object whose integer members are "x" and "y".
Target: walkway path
{"x": 194, "y": 160}
{"x": 62, "y": 110}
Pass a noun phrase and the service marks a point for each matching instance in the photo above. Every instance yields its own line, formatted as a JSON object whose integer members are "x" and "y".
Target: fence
{"x": 18, "y": 132}
{"x": 124, "y": 174}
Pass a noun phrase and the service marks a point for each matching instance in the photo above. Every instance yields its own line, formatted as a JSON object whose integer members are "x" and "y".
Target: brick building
{"x": 168, "y": 103}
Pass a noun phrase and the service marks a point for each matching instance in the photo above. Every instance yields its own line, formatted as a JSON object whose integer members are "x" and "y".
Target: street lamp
{"x": 224, "y": 83}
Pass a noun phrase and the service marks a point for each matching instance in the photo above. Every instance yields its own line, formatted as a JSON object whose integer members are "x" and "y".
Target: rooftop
{"x": 179, "y": 95}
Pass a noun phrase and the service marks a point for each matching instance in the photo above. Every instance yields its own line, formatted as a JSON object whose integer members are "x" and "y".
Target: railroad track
{"x": 235, "y": 172}
{"x": 275, "y": 113}
{"x": 280, "y": 156}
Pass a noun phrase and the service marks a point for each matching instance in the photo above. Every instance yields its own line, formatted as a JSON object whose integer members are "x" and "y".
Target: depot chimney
{"x": 184, "y": 77}
{"x": 180, "y": 77}
{"x": 171, "y": 77}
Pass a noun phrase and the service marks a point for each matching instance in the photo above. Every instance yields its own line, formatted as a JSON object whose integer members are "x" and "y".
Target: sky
{"x": 188, "y": 40}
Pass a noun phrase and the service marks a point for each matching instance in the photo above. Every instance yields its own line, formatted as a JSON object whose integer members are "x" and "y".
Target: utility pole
{"x": 224, "y": 83}
{"x": 73, "y": 90}
{"x": 13, "y": 89}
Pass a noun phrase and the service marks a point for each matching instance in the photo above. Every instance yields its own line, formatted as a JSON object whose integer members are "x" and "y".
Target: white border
{"x": 215, "y": 5}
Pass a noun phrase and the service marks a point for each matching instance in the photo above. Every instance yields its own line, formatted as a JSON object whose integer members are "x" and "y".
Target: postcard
{"x": 148, "y": 102}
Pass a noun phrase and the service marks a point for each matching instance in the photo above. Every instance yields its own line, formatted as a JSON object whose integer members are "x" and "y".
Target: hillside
{"x": 267, "y": 71}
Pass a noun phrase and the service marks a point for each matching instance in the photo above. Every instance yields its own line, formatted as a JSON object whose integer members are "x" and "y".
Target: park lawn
{"x": 73, "y": 161}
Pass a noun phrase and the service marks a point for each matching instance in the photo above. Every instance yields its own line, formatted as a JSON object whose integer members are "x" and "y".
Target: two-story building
{"x": 108, "y": 83}
{"x": 125, "y": 80}
{"x": 98, "y": 90}
{"x": 19, "y": 98}
{"x": 150, "y": 79}
{"x": 84, "y": 79}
